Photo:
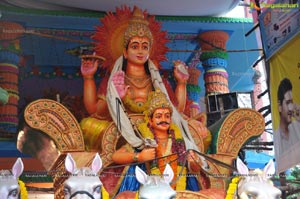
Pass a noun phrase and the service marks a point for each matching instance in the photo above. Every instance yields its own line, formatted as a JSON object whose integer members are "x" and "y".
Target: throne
{"x": 58, "y": 125}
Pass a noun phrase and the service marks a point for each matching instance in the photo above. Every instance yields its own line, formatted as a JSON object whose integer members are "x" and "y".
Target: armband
{"x": 87, "y": 78}
{"x": 135, "y": 157}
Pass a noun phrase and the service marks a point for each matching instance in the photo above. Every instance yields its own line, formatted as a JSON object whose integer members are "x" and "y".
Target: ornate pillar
{"x": 9, "y": 70}
{"x": 214, "y": 60}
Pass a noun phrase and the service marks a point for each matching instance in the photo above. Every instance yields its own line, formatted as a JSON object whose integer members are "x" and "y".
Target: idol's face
{"x": 161, "y": 119}
{"x": 138, "y": 50}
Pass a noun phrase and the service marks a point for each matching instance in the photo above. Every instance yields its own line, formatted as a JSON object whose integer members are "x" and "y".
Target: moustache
{"x": 163, "y": 122}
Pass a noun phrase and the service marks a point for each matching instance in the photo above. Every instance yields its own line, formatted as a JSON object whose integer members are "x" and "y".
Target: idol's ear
{"x": 18, "y": 168}
{"x": 140, "y": 175}
{"x": 168, "y": 174}
{"x": 97, "y": 163}
{"x": 241, "y": 167}
{"x": 269, "y": 169}
{"x": 70, "y": 164}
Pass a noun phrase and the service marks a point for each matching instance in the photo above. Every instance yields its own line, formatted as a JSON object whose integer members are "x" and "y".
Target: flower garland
{"x": 232, "y": 187}
{"x": 23, "y": 190}
{"x": 177, "y": 147}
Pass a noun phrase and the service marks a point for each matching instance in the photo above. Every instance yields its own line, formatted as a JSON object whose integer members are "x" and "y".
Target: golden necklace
{"x": 137, "y": 82}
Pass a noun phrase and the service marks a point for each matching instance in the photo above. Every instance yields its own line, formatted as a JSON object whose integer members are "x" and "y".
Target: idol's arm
{"x": 181, "y": 76}
{"x": 124, "y": 156}
{"x": 180, "y": 93}
{"x": 89, "y": 94}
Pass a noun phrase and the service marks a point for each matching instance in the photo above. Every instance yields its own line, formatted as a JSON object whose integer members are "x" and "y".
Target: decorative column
{"x": 9, "y": 70}
{"x": 214, "y": 60}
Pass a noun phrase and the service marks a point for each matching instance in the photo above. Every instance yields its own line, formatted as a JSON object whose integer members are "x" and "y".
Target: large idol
{"x": 133, "y": 46}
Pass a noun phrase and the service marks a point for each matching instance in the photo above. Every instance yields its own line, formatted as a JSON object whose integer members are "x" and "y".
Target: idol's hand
{"x": 89, "y": 66}
{"x": 180, "y": 72}
{"x": 196, "y": 162}
{"x": 147, "y": 154}
{"x": 118, "y": 80}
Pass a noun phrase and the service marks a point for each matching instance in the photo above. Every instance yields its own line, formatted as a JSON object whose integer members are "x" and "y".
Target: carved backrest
{"x": 50, "y": 125}
{"x": 58, "y": 122}
{"x": 231, "y": 133}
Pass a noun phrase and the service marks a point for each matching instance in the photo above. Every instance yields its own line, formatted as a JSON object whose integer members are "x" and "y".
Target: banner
{"x": 285, "y": 103}
{"x": 278, "y": 24}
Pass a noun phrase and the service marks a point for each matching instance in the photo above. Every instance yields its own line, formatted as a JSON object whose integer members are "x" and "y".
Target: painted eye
{"x": 251, "y": 195}
{"x": 13, "y": 193}
{"x": 172, "y": 197}
{"x": 97, "y": 189}
{"x": 66, "y": 190}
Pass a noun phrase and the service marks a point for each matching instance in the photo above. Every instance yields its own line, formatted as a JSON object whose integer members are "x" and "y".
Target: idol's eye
{"x": 67, "y": 190}
{"x": 134, "y": 46}
{"x": 145, "y": 47}
{"x": 251, "y": 195}
{"x": 13, "y": 193}
{"x": 97, "y": 189}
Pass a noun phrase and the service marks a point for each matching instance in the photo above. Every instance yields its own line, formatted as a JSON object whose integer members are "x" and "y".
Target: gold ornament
{"x": 159, "y": 100}
{"x": 137, "y": 26}
{"x": 109, "y": 37}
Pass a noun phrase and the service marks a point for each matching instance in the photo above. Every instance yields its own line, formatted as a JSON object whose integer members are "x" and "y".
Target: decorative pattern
{"x": 239, "y": 126}
{"x": 203, "y": 194}
{"x": 215, "y": 61}
{"x": 111, "y": 139}
{"x": 218, "y": 179}
{"x": 57, "y": 121}
{"x": 9, "y": 81}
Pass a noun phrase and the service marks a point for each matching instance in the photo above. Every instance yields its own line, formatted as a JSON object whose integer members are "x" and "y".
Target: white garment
{"x": 287, "y": 149}
{"x": 125, "y": 126}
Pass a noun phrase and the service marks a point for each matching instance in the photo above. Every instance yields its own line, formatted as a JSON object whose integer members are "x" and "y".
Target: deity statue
{"x": 133, "y": 76}
{"x": 133, "y": 46}
{"x": 169, "y": 149}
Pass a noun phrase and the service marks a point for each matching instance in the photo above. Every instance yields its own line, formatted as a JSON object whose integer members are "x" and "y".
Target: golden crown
{"x": 159, "y": 100}
{"x": 137, "y": 26}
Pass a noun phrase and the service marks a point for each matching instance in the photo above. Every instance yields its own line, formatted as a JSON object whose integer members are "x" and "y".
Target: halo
{"x": 109, "y": 37}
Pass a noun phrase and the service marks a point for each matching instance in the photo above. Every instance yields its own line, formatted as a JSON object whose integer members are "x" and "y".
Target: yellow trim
{"x": 232, "y": 187}
{"x": 23, "y": 190}
{"x": 105, "y": 194}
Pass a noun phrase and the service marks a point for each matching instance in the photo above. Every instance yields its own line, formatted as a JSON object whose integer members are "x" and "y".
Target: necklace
{"x": 138, "y": 82}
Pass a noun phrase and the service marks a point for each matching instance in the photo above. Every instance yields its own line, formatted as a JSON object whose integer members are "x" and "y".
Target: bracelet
{"x": 184, "y": 83}
{"x": 196, "y": 106}
{"x": 135, "y": 157}
{"x": 86, "y": 78}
